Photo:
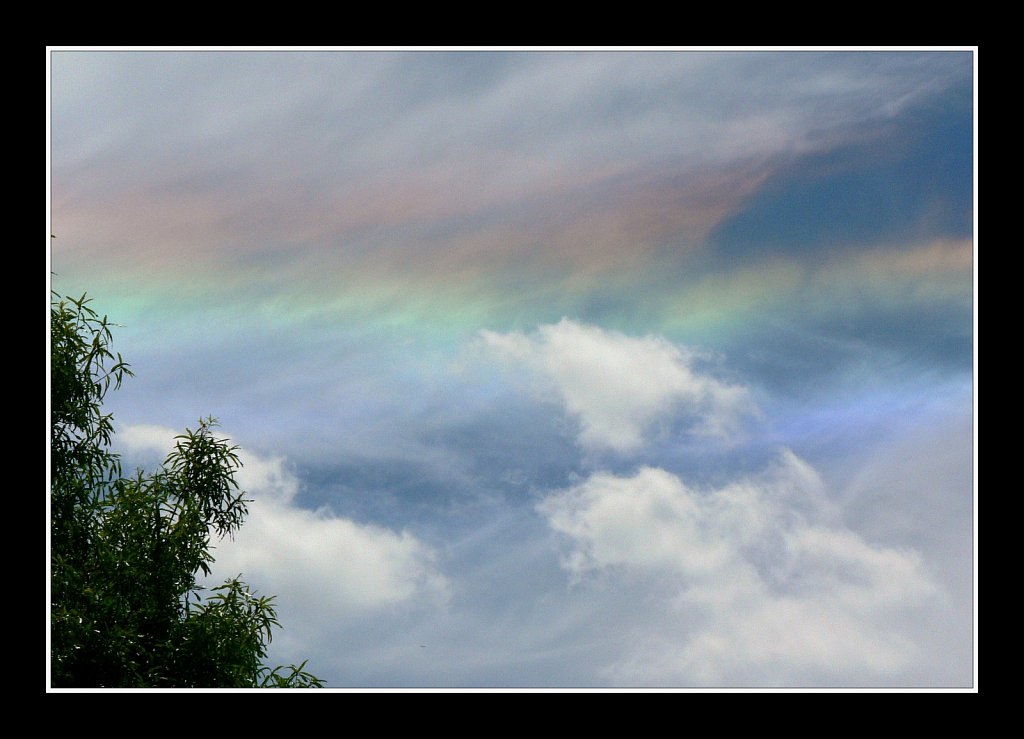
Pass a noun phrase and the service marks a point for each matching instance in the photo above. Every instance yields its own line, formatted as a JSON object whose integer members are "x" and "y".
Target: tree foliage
{"x": 126, "y": 609}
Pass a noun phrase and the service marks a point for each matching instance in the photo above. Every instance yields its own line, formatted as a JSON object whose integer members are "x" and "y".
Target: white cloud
{"x": 267, "y": 478}
{"x": 619, "y": 387}
{"x": 144, "y": 437}
{"x": 335, "y": 566}
{"x": 757, "y": 581}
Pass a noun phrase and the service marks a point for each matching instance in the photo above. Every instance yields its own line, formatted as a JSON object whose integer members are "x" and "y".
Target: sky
{"x": 575, "y": 368}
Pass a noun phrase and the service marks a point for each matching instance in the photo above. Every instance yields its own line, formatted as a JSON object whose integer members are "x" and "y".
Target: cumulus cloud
{"x": 147, "y": 438}
{"x": 619, "y": 386}
{"x": 758, "y": 581}
{"x": 335, "y": 565}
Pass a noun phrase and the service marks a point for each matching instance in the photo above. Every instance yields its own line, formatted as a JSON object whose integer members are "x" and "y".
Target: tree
{"x": 125, "y": 607}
